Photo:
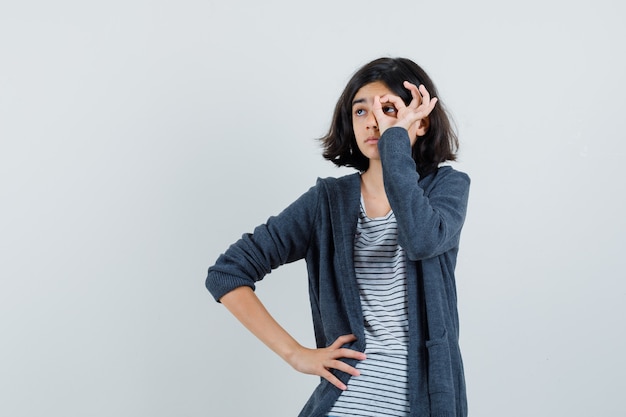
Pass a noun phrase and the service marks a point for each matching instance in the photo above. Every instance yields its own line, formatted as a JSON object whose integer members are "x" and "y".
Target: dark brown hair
{"x": 439, "y": 144}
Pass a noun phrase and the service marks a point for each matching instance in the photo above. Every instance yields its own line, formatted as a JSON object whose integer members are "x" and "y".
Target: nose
{"x": 372, "y": 123}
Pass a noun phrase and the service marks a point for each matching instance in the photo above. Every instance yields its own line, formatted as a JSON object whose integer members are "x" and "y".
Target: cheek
{"x": 357, "y": 125}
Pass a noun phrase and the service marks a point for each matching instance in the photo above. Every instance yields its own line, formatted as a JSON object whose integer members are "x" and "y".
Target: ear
{"x": 423, "y": 126}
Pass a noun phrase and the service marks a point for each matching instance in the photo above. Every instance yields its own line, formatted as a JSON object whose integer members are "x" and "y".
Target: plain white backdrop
{"x": 138, "y": 139}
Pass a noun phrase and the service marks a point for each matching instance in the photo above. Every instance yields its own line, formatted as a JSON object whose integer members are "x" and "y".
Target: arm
{"x": 248, "y": 309}
{"x": 428, "y": 225}
{"x": 284, "y": 238}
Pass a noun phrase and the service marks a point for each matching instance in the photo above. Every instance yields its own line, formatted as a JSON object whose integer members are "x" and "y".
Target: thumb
{"x": 377, "y": 109}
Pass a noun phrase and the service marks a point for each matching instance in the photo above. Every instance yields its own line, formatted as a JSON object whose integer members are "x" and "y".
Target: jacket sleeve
{"x": 429, "y": 224}
{"x": 282, "y": 239}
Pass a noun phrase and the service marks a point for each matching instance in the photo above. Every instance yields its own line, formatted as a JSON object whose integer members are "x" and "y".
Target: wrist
{"x": 290, "y": 353}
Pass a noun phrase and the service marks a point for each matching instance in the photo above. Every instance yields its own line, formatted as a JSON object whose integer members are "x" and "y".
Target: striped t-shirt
{"x": 381, "y": 389}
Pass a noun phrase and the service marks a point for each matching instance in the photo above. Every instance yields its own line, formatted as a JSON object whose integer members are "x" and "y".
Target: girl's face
{"x": 364, "y": 123}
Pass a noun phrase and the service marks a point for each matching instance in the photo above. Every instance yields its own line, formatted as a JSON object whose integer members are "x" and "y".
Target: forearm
{"x": 243, "y": 303}
{"x": 427, "y": 224}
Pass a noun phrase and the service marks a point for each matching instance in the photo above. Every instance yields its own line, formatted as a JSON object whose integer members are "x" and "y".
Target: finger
{"x": 377, "y": 110}
{"x": 409, "y": 85}
{"x": 391, "y": 107}
{"x": 334, "y": 380}
{"x": 393, "y": 99}
{"x": 342, "y": 340}
{"x": 349, "y": 353}
{"x": 424, "y": 91}
{"x": 416, "y": 100}
{"x": 427, "y": 100}
{"x": 433, "y": 102}
{"x": 339, "y": 352}
{"x": 343, "y": 367}
{"x": 428, "y": 107}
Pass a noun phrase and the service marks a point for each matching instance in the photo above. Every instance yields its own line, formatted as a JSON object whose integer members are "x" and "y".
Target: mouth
{"x": 372, "y": 139}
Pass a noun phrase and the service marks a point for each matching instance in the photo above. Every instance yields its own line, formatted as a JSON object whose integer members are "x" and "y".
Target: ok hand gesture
{"x": 411, "y": 117}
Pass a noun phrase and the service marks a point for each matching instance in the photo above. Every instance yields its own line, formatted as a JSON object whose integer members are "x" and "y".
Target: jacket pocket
{"x": 439, "y": 365}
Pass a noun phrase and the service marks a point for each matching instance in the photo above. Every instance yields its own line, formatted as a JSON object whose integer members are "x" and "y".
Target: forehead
{"x": 368, "y": 91}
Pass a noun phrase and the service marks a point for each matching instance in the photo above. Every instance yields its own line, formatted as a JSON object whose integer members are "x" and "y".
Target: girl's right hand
{"x": 248, "y": 309}
{"x": 320, "y": 361}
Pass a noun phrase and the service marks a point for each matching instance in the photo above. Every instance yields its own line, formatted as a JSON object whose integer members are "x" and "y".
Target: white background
{"x": 138, "y": 139}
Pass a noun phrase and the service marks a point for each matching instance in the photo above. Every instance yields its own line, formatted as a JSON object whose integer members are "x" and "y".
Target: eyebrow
{"x": 360, "y": 100}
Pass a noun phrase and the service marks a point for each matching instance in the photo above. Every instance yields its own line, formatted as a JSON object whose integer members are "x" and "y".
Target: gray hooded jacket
{"x": 320, "y": 227}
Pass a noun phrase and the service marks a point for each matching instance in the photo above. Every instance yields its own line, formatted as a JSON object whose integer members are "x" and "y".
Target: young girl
{"x": 380, "y": 247}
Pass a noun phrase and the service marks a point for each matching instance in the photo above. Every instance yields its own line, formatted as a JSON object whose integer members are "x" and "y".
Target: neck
{"x": 372, "y": 179}
{"x": 373, "y": 190}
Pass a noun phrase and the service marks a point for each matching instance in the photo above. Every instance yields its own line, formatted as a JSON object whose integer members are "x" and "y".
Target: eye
{"x": 389, "y": 109}
{"x": 359, "y": 112}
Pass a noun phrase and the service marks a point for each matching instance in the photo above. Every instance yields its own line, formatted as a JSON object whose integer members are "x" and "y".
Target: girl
{"x": 380, "y": 247}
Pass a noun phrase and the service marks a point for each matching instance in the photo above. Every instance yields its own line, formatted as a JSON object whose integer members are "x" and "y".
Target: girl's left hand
{"x": 409, "y": 117}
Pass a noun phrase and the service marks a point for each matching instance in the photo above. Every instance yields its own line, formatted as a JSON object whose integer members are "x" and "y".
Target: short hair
{"x": 439, "y": 144}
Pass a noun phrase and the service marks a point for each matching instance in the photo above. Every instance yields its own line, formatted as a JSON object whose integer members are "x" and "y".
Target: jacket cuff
{"x": 395, "y": 140}
{"x": 219, "y": 284}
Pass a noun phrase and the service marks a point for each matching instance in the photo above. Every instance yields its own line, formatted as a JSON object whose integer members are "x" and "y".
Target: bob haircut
{"x": 439, "y": 144}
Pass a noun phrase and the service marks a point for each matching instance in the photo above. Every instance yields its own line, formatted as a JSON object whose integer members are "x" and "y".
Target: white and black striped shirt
{"x": 381, "y": 389}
